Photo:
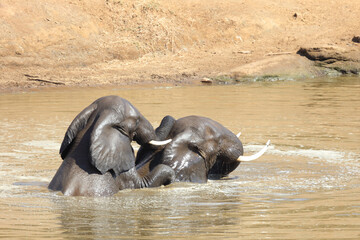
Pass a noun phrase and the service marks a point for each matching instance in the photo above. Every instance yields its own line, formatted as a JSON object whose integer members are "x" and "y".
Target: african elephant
{"x": 200, "y": 148}
{"x": 98, "y": 159}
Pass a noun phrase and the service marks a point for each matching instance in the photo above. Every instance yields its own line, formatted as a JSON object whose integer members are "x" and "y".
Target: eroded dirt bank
{"x": 97, "y": 42}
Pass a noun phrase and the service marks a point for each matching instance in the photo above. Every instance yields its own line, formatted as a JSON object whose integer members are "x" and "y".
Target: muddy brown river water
{"x": 307, "y": 186}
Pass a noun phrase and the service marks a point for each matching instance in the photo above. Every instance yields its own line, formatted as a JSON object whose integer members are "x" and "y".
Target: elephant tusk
{"x": 160, "y": 143}
{"x": 238, "y": 135}
{"x": 255, "y": 156}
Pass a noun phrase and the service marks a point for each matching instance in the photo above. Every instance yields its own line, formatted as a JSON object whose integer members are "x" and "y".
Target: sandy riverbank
{"x": 101, "y": 42}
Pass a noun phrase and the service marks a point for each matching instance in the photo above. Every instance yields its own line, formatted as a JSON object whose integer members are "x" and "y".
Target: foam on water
{"x": 45, "y": 144}
{"x": 297, "y": 170}
{"x": 331, "y": 156}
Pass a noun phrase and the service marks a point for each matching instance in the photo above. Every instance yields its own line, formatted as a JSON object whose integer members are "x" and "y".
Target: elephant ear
{"x": 75, "y": 127}
{"x": 110, "y": 146}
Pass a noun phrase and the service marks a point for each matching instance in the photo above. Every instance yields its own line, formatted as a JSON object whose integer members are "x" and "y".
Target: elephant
{"x": 98, "y": 159}
{"x": 201, "y": 149}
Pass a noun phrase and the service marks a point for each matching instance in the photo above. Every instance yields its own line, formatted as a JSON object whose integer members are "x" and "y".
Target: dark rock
{"x": 323, "y": 53}
{"x": 345, "y": 60}
{"x": 356, "y": 39}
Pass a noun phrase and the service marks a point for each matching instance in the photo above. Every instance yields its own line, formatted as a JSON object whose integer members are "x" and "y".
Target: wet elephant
{"x": 200, "y": 148}
{"x": 98, "y": 159}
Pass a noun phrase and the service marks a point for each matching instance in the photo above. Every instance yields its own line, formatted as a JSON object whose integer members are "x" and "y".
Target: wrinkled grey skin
{"x": 200, "y": 149}
{"x": 98, "y": 159}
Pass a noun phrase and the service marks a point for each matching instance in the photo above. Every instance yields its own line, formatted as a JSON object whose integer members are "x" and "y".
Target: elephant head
{"x": 200, "y": 148}
{"x": 97, "y": 150}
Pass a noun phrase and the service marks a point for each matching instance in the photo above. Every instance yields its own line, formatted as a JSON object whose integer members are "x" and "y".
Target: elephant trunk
{"x": 160, "y": 175}
{"x": 163, "y": 131}
{"x": 146, "y": 134}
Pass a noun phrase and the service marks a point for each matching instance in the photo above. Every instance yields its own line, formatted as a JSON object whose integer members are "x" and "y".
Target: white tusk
{"x": 159, "y": 143}
{"x": 238, "y": 135}
{"x": 255, "y": 156}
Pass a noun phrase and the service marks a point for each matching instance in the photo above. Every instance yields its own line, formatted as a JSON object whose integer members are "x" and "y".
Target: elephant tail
{"x": 75, "y": 127}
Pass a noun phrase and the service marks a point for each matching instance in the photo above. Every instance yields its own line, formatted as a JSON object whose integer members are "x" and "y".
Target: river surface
{"x": 307, "y": 186}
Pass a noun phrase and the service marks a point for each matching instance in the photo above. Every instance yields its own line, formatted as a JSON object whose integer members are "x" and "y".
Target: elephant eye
{"x": 197, "y": 150}
{"x": 122, "y": 130}
{"x": 193, "y": 147}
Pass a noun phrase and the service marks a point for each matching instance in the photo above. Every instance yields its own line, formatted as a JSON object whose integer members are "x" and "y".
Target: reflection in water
{"x": 306, "y": 186}
{"x": 179, "y": 210}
